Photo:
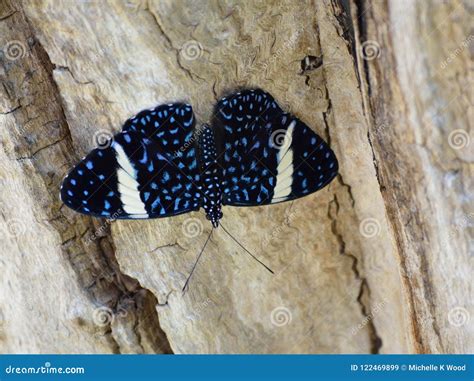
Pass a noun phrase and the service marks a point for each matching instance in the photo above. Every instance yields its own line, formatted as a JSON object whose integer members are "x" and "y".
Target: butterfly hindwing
{"x": 271, "y": 158}
{"x": 305, "y": 161}
{"x": 137, "y": 175}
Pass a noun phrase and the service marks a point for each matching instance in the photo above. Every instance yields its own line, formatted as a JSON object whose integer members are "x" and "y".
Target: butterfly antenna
{"x": 197, "y": 260}
{"x": 248, "y": 252}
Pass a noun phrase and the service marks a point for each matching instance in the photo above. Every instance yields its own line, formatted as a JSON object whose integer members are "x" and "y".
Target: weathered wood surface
{"x": 379, "y": 261}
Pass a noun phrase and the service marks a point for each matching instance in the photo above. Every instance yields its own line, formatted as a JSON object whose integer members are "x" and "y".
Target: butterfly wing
{"x": 268, "y": 156}
{"x": 240, "y": 109}
{"x": 170, "y": 126}
{"x": 149, "y": 170}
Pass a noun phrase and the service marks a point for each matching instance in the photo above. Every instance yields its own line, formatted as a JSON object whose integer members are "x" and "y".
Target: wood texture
{"x": 378, "y": 262}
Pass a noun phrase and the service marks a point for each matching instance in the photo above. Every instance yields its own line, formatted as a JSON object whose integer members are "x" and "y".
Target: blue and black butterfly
{"x": 253, "y": 153}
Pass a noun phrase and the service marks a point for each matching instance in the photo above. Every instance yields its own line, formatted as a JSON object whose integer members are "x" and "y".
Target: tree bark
{"x": 378, "y": 262}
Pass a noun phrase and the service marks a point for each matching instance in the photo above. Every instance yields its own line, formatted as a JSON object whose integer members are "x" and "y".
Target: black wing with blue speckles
{"x": 149, "y": 170}
{"x": 268, "y": 156}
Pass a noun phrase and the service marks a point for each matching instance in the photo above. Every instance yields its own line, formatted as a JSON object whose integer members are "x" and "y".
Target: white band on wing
{"x": 284, "y": 178}
{"x": 127, "y": 184}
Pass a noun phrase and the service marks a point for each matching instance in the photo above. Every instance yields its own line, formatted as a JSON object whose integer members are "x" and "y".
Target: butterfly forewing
{"x": 148, "y": 171}
{"x": 237, "y": 112}
{"x": 168, "y": 125}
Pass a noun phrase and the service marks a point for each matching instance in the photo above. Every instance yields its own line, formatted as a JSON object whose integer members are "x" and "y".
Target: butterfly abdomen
{"x": 211, "y": 174}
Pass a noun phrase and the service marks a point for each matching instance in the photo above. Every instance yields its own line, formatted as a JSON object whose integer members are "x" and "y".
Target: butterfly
{"x": 160, "y": 165}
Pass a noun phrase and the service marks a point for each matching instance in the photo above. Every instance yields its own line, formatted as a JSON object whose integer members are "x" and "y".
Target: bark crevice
{"x": 364, "y": 290}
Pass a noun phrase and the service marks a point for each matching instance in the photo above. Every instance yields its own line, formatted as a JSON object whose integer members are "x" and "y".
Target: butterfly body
{"x": 211, "y": 176}
{"x": 252, "y": 154}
